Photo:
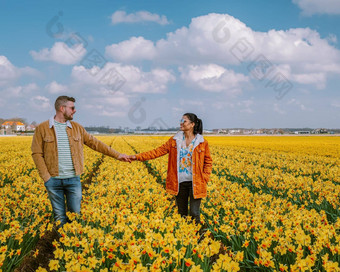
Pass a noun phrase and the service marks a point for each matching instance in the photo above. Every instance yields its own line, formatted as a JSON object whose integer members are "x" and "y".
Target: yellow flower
{"x": 35, "y": 254}
{"x": 40, "y": 269}
{"x": 54, "y": 265}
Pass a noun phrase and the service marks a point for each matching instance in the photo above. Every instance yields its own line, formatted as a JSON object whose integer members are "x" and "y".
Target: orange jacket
{"x": 201, "y": 165}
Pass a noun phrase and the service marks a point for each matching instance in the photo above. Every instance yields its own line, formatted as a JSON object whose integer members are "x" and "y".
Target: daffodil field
{"x": 272, "y": 205}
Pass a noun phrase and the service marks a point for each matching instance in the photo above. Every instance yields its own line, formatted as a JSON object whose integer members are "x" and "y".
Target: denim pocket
{"x": 49, "y": 182}
{"x": 74, "y": 180}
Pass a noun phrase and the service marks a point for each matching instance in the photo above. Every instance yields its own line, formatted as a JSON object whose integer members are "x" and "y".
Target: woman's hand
{"x": 132, "y": 157}
{"x": 124, "y": 158}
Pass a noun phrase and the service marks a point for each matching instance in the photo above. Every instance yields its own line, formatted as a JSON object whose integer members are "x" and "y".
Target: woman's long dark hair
{"x": 198, "y": 128}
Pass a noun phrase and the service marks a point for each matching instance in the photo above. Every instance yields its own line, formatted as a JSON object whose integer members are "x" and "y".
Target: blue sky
{"x": 252, "y": 64}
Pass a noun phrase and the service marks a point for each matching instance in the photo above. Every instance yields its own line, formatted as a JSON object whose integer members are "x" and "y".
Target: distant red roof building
{"x": 16, "y": 125}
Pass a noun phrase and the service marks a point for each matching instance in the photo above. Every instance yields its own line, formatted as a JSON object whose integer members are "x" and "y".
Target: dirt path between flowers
{"x": 45, "y": 249}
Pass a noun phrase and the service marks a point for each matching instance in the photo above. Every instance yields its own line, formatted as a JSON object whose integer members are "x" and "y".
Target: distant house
{"x": 30, "y": 127}
{"x": 320, "y": 131}
{"x": 302, "y": 132}
{"x": 234, "y": 131}
{"x": 16, "y": 126}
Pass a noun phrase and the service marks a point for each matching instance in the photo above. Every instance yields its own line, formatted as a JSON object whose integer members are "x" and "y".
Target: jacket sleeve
{"x": 207, "y": 167}
{"x": 98, "y": 145}
{"x": 155, "y": 153}
{"x": 37, "y": 148}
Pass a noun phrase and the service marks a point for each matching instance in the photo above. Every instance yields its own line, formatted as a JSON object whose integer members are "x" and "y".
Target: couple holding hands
{"x": 57, "y": 151}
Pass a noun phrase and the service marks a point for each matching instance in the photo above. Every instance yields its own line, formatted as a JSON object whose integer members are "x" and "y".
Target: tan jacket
{"x": 45, "y": 151}
{"x": 201, "y": 166}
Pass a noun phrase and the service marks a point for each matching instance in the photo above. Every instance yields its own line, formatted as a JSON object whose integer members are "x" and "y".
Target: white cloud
{"x": 213, "y": 78}
{"x": 331, "y": 38}
{"x": 137, "y": 48}
{"x": 109, "y": 113}
{"x": 310, "y": 7}
{"x": 108, "y": 106}
{"x": 186, "y": 102}
{"x": 296, "y": 102}
{"x": 222, "y": 105}
{"x": 9, "y": 72}
{"x": 336, "y": 104}
{"x": 308, "y": 78}
{"x": 56, "y": 88}
{"x": 129, "y": 78}
{"x": 225, "y": 40}
{"x": 137, "y": 17}
{"x": 60, "y": 53}
{"x": 177, "y": 110}
{"x": 205, "y": 40}
{"x": 20, "y": 91}
{"x": 278, "y": 109}
{"x": 119, "y": 99}
{"x": 40, "y": 103}
{"x": 317, "y": 79}
{"x": 244, "y": 106}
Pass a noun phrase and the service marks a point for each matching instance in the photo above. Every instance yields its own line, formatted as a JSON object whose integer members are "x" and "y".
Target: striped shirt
{"x": 66, "y": 168}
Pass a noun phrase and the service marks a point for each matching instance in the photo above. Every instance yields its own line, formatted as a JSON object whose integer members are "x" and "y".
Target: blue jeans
{"x": 59, "y": 190}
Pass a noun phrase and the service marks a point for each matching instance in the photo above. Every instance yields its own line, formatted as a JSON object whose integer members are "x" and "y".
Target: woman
{"x": 189, "y": 165}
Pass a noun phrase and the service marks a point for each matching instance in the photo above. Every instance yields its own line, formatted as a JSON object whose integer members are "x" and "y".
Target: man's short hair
{"x": 62, "y": 101}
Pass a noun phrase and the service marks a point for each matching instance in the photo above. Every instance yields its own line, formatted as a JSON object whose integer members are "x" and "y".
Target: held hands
{"x": 132, "y": 157}
{"x": 126, "y": 158}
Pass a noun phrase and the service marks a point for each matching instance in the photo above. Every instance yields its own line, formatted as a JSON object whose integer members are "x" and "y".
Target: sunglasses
{"x": 72, "y": 108}
{"x": 182, "y": 121}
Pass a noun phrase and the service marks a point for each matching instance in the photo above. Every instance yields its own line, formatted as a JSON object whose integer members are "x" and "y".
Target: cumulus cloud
{"x": 108, "y": 106}
{"x": 61, "y": 53}
{"x": 317, "y": 79}
{"x": 225, "y": 40}
{"x": 56, "y": 88}
{"x": 137, "y": 17}
{"x": 128, "y": 78}
{"x": 40, "y": 103}
{"x": 213, "y": 78}
{"x": 9, "y": 72}
{"x": 307, "y": 78}
{"x": 310, "y": 7}
{"x": 137, "y": 48}
{"x": 297, "y": 103}
{"x": 20, "y": 91}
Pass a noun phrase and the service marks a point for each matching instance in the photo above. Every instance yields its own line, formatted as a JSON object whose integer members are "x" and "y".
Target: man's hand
{"x": 132, "y": 157}
{"x": 124, "y": 157}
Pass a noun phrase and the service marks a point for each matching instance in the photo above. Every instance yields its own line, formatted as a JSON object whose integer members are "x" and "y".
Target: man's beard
{"x": 68, "y": 118}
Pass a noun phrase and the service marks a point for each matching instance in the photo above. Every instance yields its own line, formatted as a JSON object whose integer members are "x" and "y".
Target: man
{"x": 57, "y": 151}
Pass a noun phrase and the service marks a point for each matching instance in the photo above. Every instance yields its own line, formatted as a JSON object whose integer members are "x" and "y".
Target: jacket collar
{"x": 51, "y": 122}
{"x": 179, "y": 138}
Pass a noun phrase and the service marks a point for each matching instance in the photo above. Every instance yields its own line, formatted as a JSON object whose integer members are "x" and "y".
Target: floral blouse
{"x": 185, "y": 160}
